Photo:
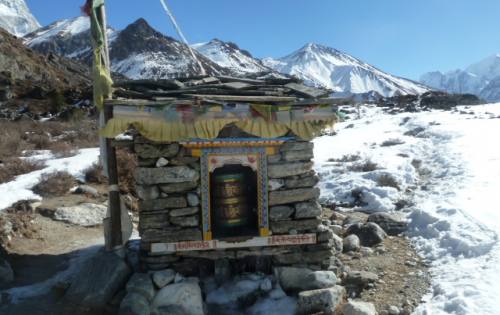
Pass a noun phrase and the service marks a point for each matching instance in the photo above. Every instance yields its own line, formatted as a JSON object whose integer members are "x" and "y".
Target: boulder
{"x": 299, "y": 182}
{"x": 193, "y": 199}
{"x": 273, "y": 159}
{"x": 391, "y": 224}
{"x": 150, "y": 151}
{"x": 163, "y": 277}
{"x": 169, "y": 310}
{"x": 147, "y": 192}
{"x": 291, "y": 196}
{"x": 141, "y": 283}
{"x": 184, "y": 212}
{"x": 323, "y": 301}
{"x": 222, "y": 271}
{"x": 179, "y": 187}
{"x": 360, "y": 279}
{"x": 351, "y": 243}
{"x": 282, "y": 227}
{"x": 310, "y": 209}
{"x": 298, "y": 155}
{"x": 189, "y": 221}
{"x": 370, "y": 234}
{"x": 162, "y": 203}
{"x": 85, "y": 214}
{"x": 288, "y": 169}
{"x": 184, "y": 295}
{"x": 165, "y": 175}
{"x": 98, "y": 280}
{"x": 358, "y": 308}
{"x": 134, "y": 304}
{"x": 6, "y": 272}
{"x": 299, "y": 279}
{"x": 280, "y": 213}
{"x": 296, "y": 146}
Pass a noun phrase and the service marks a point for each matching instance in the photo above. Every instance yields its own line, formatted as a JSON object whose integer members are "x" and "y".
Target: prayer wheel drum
{"x": 230, "y": 204}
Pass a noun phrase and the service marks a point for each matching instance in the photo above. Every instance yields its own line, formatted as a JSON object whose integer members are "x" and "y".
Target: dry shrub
{"x": 55, "y": 184}
{"x": 62, "y": 149}
{"x": 346, "y": 158}
{"x": 126, "y": 163}
{"x": 386, "y": 180}
{"x": 10, "y": 142}
{"x": 391, "y": 142}
{"x": 39, "y": 141}
{"x": 12, "y": 167}
{"x": 17, "y": 220}
{"x": 364, "y": 166}
{"x": 18, "y": 136}
{"x": 94, "y": 174}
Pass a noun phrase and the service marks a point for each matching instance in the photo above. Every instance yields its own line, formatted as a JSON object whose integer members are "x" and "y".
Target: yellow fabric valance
{"x": 157, "y": 130}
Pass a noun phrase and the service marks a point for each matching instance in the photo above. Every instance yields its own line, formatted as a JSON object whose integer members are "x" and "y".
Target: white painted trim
{"x": 275, "y": 240}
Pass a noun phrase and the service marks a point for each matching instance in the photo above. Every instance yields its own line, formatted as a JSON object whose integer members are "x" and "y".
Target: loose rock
{"x": 391, "y": 224}
{"x": 323, "y": 301}
{"x": 291, "y": 196}
{"x": 163, "y": 277}
{"x": 351, "y": 243}
{"x": 165, "y": 175}
{"x": 358, "y": 308}
{"x": 85, "y": 214}
{"x": 299, "y": 279}
{"x": 184, "y": 295}
{"x": 141, "y": 283}
{"x": 98, "y": 281}
{"x": 305, "y": 210}
{"x": 369, "y": 234}
{"x": 134, "y": 304}
{"x": 279, "y": 213}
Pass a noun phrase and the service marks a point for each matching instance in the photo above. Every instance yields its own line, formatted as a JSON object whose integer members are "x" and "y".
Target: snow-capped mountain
{"x": 137, "y": 52}
{"x": 16, "y": 18}
{"x": 229, "y": 55}
{"x": 481, "y": 78}
{"x": 69, "y": 38}
{"x": 327, "y": 67}
{"x": 141, "y": 52}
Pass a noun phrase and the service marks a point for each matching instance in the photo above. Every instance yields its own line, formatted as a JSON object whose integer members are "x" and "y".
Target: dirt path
{"x": 43, "y": 262}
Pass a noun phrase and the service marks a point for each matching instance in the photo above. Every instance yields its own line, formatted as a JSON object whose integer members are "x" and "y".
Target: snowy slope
{"x": 229, "y": 55}
{"x": 69, "y": 38}
{"x": 20, "y": 188}
{"x": 474, "y": 79}
{"x": 16, "y": 18}
{"x": 327, "y": 67}
{"x": 448, "y": 170}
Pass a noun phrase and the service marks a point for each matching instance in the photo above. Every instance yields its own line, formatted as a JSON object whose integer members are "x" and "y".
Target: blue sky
{"x": 403, "y": 37}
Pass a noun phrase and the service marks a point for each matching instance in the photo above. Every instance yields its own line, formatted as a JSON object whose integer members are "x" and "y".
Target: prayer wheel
{"x": 230, "y": 203}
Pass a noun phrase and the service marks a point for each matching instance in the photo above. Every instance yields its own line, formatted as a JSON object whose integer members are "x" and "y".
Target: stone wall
{"x": 168, "y": 185}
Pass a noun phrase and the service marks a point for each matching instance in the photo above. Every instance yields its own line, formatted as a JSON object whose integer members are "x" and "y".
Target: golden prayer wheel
{"x": 230, "y": 203}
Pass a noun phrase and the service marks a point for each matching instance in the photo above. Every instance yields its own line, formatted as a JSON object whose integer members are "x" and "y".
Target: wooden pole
{"x": 110, "y": 156}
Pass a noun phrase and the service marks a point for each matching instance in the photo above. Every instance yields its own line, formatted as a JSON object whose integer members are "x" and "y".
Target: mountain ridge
{"x": 328, "y": 67}
{"x": 481, "y": 78}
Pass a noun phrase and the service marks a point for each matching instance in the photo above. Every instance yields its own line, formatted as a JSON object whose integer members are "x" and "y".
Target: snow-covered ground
{"x": 446, "y": 166}
{"x": 20, "y": 188}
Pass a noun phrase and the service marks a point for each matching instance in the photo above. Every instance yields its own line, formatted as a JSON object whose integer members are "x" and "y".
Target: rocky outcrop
{"x": 28, "y": 74}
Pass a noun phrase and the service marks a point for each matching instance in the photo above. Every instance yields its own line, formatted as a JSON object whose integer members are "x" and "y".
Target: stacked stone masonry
{"x": 168, "y": 186}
